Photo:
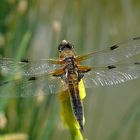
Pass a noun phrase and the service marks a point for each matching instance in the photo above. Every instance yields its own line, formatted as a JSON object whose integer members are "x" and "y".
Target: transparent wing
{"x": 9, "y": 66}
{"x": 33, "y": 86}
{"x": 113, "y": 54}
{"x": 111, "y": 74}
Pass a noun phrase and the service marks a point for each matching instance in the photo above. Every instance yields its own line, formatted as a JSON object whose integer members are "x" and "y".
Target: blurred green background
{"x": 33, "y": 29}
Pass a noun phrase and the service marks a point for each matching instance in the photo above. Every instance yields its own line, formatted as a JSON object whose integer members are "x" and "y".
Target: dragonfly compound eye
{"x": 65, "y": 45}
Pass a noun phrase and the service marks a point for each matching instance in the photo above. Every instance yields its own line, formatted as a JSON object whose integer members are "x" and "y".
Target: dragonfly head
{"x": 65, "y": 46}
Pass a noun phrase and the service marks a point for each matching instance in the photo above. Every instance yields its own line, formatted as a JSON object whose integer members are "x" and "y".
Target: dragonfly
{"x": 108, "y": 66}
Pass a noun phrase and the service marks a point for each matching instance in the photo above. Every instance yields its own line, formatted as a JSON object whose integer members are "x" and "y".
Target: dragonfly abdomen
{"x": 76, "y": 103}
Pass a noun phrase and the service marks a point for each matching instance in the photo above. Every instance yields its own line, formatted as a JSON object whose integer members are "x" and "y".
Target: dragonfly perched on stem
{"x": 109, "y": 66}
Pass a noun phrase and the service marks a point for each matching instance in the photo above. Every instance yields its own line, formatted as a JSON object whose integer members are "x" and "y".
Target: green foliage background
{"x": 33, "y": 29}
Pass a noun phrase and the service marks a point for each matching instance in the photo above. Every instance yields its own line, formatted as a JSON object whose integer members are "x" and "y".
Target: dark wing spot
{"x": 114, "y": 47}
{"x": 136, "y": 38}
{"x": 25, "y": 60}
{"x": 137, "y": 63}
{"x": 32, "y": 78}
{"x": 111, "y": 67}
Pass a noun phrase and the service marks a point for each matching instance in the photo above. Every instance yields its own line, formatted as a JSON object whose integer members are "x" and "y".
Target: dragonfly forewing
{"x": 24, "y": 67}
{"x": 112, "y": 54}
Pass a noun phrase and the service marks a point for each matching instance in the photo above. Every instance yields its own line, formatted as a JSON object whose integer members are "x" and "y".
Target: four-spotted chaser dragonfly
{"x": 108, "y": 66}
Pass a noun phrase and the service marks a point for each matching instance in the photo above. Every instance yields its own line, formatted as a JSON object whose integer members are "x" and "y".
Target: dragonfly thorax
{"x": 71, "y": 69}
{"x": 70, "y": 64}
